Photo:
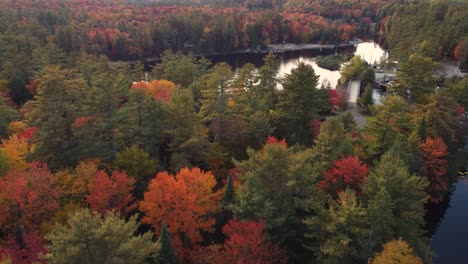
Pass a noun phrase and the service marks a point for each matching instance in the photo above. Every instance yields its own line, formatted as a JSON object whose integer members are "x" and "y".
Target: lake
{"x": 450, "y": 238}
{"x": 369, "y": 51}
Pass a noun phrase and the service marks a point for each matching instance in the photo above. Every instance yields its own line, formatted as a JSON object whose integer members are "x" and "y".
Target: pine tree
{"x": 366, "y": 98}
{"x": 166, "y": 253}
{"x": 226, "y": 212}
{"x": 298, "y": 103}
{"x": 422, "y": 130}
{"x": 138, "y": 72}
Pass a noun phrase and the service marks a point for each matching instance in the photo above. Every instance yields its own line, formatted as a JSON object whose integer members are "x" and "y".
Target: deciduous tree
{"x": 434, "y": 167}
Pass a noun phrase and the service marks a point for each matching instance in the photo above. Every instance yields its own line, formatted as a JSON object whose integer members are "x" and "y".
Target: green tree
{"x": 4, "y": 163}
{"x": 166, "y": 253}
{"x": 276, "y": 183}
{"x": 337, "y": 228}
{"x": 53, "y": 110}
{"x": 414, "y": 80}
{"x": 145, "y": 121}
{"x": 138, "y": 72}
{"x": 366, "y": 98}
{"x": 226, "y": 213}
{"x": 215, "y": 86}
{"x": 353, "y": 69}
{"x": 298, "y": 104}
{"x": 138, "y": 164}
{"x": 186, "y": 134}
{"x": 181, "y": 69}
{"x": 396, "y": 203}
{"x": 328, "y": 142}
{"x": 265, "y": 94}
{"x": 108, "y": 92}
{"x": 390, "y": 120}
{"x": 7, "y": 114}
{"x": 91, "y": 238}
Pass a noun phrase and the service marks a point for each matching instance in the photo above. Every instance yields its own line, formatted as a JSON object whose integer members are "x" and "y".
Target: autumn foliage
{"x": 26, "y": 248}
{"x": 396, "y": 251}
{"x": 246, "y": 243}
{"x": 185, "y": 202}
{"x": 347, "y": 172}
{"x": 28, "y": 198}
{"x": 434, "y": 167}
{"x": 159, "y": 89}
{"x": 111, "y": 192}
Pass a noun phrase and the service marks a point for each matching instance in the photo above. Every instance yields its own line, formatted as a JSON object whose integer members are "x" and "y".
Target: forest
{"x": 195, "y": 162}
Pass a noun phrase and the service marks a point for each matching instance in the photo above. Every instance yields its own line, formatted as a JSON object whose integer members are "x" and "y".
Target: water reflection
{"x": 450, "y": 241}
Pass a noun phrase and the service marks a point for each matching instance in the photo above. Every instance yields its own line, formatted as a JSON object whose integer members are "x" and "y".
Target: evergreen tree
{"x": 166, "y": 253}
{"x": 54, "y": 110}
{"x": 397, "y": 198}
{"x": 422, "y": 130}
{"x": 95, "y": 239}
{"x": 337, "y": 229}
{"x": 226, "y": 213}
{"x": 138, "y": 72}
{"x": 298, "y": 104}
{"x": 187, "y": 137}
{"x": 215, "y": 86}
{"x": 366, "y": 98}
{"x": 7, "y": 114}
{"x": 265, "y": 93}
{"x": 328, "y": 142}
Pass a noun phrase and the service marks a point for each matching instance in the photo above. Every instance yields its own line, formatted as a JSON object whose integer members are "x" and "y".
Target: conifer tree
{"x": 166, "y": 253}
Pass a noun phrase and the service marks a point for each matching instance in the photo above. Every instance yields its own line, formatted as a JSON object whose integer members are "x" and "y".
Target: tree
{"x": 145, "y": 121}
{"x": 246, "y": 243}
{"x": 396, "y": 251}
{"x": 185, "y": 202}
{"x": 4, "y": 164}
{"x": 276, "y": 182}
{"x": 111, "y": 193}
{"x": 166, "y": 253}
{"x": 434, "y": 167}
{"x": 327, "y": 144}
{"x": 353, "y": 69}
{"x": 338, "y": 229}
{"x": 187, "y": 136}
{"x": 53, "y": 110}
{"x": 138, "y": 72}
{"x": 7, "y": 114}
{"x": 264, "y": 95}
{"x": 16, "y": 151}
{"x": 441, "y": 116}
{"x": 28, "y": 198}
{"x": 347, "y": 172}
{"x": 137, "y": 164}
{"x": 414, "y": 80}
{"x": 96, "y": 239}
{"x": 215, "y": 86}
{"x": 366, "y": 98}
{"x": 24, "y": 247}
{"x": 299, "y": 103}
{"x": 100, "y": 139}
{"x": 397, "y": 199}
{"x": 181, "y": 69}
{"x": 226, "y": 213}
{"x": 390, "y": 120}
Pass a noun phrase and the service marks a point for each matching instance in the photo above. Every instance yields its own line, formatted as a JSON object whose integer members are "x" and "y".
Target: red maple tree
{"x": 111, "y": 192}
{"x": 246, "y": 243}
{"x": 434, "y": 167}
{"x": 347, "y": 172}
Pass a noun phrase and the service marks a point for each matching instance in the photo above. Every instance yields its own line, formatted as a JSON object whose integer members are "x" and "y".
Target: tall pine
{"x": 166, "y": 253}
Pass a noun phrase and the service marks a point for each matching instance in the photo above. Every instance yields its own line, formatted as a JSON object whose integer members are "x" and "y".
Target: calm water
{"x": 369, "y": 51}
{"x": 450, "y": 240}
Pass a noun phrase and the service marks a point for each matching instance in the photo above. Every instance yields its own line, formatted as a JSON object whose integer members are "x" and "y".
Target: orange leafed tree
{"x": 434, "y": 167}
{"x": 159, "y": 89}
{"x": 16, "y": 149}
{"x": 185, "y": 202}
{"x": 396, "y": 251}
{"x": 111, "y": 192}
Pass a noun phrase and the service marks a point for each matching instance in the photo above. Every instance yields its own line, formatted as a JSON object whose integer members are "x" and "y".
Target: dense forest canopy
{"x": 195, "y": 162}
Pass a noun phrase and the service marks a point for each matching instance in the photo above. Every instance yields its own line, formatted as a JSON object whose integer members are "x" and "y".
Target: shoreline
{"x": 274, "y": 48}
